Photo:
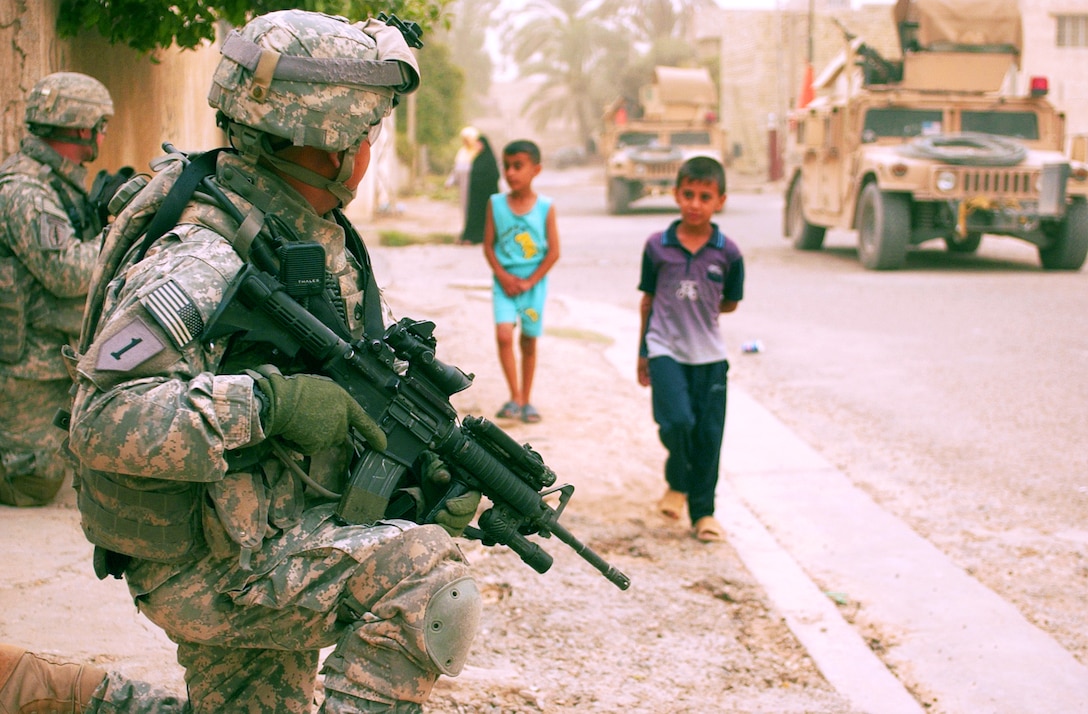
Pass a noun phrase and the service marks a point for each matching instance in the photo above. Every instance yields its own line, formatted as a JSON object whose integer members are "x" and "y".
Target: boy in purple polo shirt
{"x": 690, "y": 274}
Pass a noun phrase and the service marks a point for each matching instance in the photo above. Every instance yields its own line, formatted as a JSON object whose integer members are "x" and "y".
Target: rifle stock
{"x": 414, "y": 411}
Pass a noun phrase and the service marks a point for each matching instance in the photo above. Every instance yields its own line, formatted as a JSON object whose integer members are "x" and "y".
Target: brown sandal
{"x": 708, "y": 530}
{"x": 672, "y": 504}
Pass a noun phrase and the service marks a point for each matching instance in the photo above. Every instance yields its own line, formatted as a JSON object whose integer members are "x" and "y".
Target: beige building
{"x": 763, "y": 53}
{"x": 1056, "y": 47}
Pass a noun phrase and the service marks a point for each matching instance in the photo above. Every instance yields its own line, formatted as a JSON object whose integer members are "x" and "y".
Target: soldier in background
{"x": 47, "y": 251}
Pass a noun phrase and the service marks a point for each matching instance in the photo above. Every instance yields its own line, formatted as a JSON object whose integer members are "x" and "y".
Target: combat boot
{"x": 32, "y": 684}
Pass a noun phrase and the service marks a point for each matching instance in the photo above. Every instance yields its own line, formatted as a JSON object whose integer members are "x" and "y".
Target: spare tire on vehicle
{"x": 967, "y": 148}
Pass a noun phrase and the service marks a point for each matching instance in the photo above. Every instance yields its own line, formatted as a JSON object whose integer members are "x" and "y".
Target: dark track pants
{"x": 689, "y": 408}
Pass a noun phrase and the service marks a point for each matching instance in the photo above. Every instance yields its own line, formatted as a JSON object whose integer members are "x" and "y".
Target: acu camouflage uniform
{"x": 221, "y": 545}
{"x": 47, "y": 253}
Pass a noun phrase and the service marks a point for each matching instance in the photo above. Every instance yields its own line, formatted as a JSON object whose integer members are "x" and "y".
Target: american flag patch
{"x": 175, "y": 312}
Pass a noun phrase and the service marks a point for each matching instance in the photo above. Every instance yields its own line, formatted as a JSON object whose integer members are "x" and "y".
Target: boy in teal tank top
{"x": 521, "y": 243}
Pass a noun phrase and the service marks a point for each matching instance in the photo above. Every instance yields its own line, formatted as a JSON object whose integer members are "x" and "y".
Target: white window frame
{"x": 1071, "y": 30}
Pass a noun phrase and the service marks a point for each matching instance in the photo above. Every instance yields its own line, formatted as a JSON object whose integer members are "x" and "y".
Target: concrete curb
{"x": 834, "y": 645}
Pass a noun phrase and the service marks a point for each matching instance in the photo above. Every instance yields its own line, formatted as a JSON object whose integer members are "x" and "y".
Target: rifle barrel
{"x": 612, "y": 574}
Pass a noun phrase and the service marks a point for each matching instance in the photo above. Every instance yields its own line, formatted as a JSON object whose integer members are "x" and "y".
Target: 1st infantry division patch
{"x": 133, "y": 345}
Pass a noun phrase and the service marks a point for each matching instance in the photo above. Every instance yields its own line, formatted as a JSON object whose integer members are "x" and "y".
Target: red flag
{"x": 808, "y": 93}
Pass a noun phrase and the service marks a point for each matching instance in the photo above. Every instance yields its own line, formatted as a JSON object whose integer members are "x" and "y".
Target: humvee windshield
{"x": 690, "y": 138}
{"x": 1019, "y": 125}
{"x": 905, "y": 123}
{"x": 680, "y": 138}
{"x": 635, "y": 138}
{"x": 899, "y": 122}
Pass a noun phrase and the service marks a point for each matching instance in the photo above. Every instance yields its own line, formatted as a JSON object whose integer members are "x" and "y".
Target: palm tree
{"x": 662, "y": 28}
{"x": 655, "y": 20}
{"x": 568, "y": 43}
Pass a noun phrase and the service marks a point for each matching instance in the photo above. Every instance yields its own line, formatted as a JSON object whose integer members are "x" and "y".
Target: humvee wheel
{"x": 805, "y": 235}
{"x": 1070, "y": 246}
{"x": 883, "y": 228}
{"x": 619, "y": 196}
{"x": 968, "y": 244}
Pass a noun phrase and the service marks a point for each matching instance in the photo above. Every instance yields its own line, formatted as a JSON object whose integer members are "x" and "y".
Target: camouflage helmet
{"x": 313, "y": 79}
{"x": 67, "y": 100}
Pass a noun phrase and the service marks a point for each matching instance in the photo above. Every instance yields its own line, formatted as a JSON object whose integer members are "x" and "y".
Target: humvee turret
{"x": 933, "y": 146}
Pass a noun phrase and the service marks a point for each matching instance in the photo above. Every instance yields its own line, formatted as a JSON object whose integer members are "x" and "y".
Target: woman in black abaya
{"x": 483, "y": 180}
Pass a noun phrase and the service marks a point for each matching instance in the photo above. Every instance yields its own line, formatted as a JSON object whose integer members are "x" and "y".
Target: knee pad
{"x": 451, "y": 621}
{"x": 415, "y": 595}
{"x": 375, "y": 665}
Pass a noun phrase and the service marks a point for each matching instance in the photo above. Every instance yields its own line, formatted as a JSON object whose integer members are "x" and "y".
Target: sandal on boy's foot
{"x": 510, "y": 410}
{"x": 708, "y": 530}
{"x": 529, "y": 414}
{"x": 672, "y": 504}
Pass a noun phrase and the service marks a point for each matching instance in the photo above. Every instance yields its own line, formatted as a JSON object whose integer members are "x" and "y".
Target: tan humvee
{"x": 930, "y": 147}
{"x": 675, "y": 119}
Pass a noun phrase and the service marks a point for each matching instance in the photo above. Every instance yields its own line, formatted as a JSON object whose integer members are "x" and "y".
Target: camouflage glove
{"x": 314, "y": 413}
{"x": 457, "y": 512}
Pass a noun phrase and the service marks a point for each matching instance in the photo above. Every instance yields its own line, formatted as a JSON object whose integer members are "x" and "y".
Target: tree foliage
{"x": 654, "y": 20}
{"x": 148, "y": 25}
{"x": 439, "y": 113}
{"x": 663, "y": 29}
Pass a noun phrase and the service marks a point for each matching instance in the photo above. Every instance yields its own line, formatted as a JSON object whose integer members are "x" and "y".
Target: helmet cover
{"x": 314, "y": 79}
{"x": 68, "y": 100}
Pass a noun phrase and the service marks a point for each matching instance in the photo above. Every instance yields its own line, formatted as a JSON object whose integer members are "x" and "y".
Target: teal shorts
{"x": 527, "y": 308}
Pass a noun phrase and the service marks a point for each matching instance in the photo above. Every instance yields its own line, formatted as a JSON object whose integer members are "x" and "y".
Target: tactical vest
{"x": 20, "y": 300}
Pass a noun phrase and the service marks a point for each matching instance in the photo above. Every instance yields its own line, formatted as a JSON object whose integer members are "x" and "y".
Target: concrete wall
{"x": 153, "y": 101}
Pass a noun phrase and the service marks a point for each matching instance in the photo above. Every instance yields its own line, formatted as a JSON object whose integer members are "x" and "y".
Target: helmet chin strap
{"x": 97, "y": 130}
{"x": 336, "y": 186}
{"x": 93, "y": 144}
{"x": 256, "y": 144}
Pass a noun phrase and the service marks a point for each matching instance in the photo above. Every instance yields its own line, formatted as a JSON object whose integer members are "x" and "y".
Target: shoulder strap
{"x": 74, "y": 217}
{"x": 373, "y": 324}
{"x": 168, "y": 214}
